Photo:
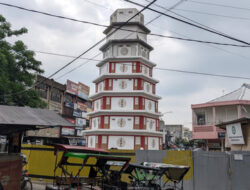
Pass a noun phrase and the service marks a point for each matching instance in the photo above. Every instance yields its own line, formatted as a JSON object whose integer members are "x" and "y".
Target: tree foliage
{"x": 18, "y": 69}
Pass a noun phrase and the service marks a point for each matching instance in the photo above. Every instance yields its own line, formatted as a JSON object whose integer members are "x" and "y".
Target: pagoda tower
{"x": 125, "y": 107}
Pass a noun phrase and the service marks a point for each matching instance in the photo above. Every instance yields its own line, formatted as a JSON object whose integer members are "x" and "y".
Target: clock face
{"x": 122, "y": 103}
{"x": 121, "y": 122}
{"x": 121, "y": 142}
{"x": 123, "y": 84}
{"x": 124, "y": 51}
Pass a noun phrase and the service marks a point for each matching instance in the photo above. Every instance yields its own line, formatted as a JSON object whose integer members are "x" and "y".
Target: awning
{"x": 16, "y": 119}
{"x": 243, "y": 120}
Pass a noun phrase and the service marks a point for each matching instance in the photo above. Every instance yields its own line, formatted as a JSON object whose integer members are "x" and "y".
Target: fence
{"x": 208, "y": 170}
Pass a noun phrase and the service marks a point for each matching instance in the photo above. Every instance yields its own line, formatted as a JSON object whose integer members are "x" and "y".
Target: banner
{"x": 234, "y": 134}
{"x": 72, "y": 87}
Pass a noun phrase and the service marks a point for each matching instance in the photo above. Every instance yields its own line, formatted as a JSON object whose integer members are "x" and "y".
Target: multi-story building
{"x": 229, "y": 107}
{"x": 125, "y": 107}
{"x": 72, "y": 102}
{"x": 76, "y": 106}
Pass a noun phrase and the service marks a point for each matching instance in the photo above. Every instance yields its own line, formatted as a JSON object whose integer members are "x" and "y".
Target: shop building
{"x": 206, "y": 116}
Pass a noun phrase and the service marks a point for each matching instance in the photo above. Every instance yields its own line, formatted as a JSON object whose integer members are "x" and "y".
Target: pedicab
{"x": 101, "y": 170}
{"x": 173, "y": 173}
{"x": 60, "y": 181}
{"x": 143, "y": 177}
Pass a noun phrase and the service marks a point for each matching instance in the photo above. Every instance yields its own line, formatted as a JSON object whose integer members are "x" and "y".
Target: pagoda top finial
{"x": 122, "y": 15}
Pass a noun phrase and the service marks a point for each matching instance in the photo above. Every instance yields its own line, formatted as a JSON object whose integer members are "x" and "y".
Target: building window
{"x": 106, "y": 120}
{"x": 136, "y": 83}
{"x": 201, "y": 119}
{"x": 136, "y": 101}
{"x": 137, "y": 120}
{"x": 110, "y": 82}
{"x": 137, "y": 140}
{"x": 42, "y": 90}
{"x": 55, "y": 95}
{"x": 108, "y": 100}
{"x": 104, "y": 139}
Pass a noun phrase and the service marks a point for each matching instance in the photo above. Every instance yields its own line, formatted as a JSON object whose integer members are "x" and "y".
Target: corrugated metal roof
{"x": 13, "y": 115}
{"x": 242, "y": 93}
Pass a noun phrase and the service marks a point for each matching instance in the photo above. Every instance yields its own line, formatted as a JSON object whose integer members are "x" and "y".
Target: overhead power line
{"x": 218, "y": 5}
{"x": 204, "y": 74}
{"x": 64, "y": 55}
{"x": 119, "y": 28}
{"x": 86, "y": 51}
{"x": 191, "y": 24}
{"x": 149, "y": 22}
{"x": 213, "y": 14}
{"x": 219, "y": 48}
{"x": 186, "y": 18}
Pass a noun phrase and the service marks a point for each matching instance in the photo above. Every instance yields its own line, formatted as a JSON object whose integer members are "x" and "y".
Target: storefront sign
{"x": 81, "y": 106}
{"x": 77, "y": 113}
{"x": 72, "y": 87}
{"x": 69, "y": 104}
{"x": 221, "y": 135}
{"x": 79, "y": 133}
{"x": 68, "y": 131}
{"x": 234, "y": 134}
{"x": 80, "y": 123}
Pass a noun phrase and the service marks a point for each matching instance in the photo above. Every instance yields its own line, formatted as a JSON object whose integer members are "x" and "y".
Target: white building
{"x": 125, "y": 107}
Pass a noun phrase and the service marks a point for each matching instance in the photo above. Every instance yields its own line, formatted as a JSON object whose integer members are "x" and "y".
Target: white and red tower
{"x": 125, "y": 107}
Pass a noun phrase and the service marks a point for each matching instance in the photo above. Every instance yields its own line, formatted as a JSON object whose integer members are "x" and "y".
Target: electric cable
{"x": 218, "y": 5}
{"x": 149, "y": 22}
{"x": 86, "y": 51}
{"x": 191, "y": 24}
{"x": 213, "y": 14}
{"x": 151, "y": 34}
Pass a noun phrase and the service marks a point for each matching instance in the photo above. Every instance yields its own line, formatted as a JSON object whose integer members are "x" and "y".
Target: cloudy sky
{"x": 178, "y": 90}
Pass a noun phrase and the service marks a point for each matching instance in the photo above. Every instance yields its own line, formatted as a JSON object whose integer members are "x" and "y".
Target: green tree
{"x": 18, "y": 69}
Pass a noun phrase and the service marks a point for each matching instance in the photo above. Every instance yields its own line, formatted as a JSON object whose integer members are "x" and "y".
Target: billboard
{"x": 83, "y": 91}
{"x": 81, "y": 106}
{"x": 72, "y": 87}
{"x": 234, "y": 134}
